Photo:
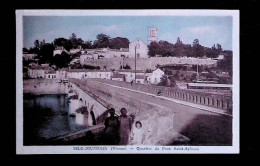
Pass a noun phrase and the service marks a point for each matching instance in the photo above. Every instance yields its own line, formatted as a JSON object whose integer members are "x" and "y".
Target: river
{"x": 46, "y": 117}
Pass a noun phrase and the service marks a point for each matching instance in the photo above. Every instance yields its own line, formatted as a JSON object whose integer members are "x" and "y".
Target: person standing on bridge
{"x": 111, "y": 128}
{"x": 125, "y": 127}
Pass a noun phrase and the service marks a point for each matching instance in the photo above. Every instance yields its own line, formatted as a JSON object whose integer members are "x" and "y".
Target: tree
{"x": 45, "y": 54}
{"x": 226, "y": 64}
{"x": 61, "y": 60}
{"x": 179, "y": 49}
{"x": 67, "y": 44}
{"x": 197, "y": 49}
{"x": 25, "y": 49}
{"x": 102, "y": 41}
{"x": 119, "y": 42}
{"x": 87, "y": 44}
{"x": 154, "y": 49}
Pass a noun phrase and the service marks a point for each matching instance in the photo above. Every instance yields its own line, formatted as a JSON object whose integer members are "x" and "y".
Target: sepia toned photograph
{"x": 127, "y": 81}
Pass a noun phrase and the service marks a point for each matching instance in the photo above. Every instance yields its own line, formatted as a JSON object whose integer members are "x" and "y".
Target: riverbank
{"x": 44, "y": 86}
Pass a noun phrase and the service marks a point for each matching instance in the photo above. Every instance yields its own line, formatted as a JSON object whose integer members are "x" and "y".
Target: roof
{"x": 210, "y": 85}
{"x": 140, "y": 77}
{"x": 87, "y": 70}
{"x": 82, "y": 110}
{"x": 116, "y": 75}
{"x": 41, "y": 67}
{"x": 50, "y": 72}
{"x": 131, "y": 71}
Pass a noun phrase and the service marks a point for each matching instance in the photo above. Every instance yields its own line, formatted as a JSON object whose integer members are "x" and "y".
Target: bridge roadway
{"x": 201, "y": 126}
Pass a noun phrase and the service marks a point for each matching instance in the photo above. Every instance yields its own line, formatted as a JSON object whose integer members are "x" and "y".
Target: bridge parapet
{"x": 219, "y": 101}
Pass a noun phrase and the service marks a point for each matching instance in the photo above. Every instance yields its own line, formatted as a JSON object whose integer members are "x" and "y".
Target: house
{"x": 155, "y": 77}
{"x": 61, "y": 73}
{"x": 27, "y": 56}
{"x": 38, "y": 71}
{"x": 59, "y": 50}
{"x": 74, "y": 51}
{"x": 50, "y": 74}
{"x": 130, "y": 74}
{"x": 85, "y": 73}
{"x": 138, "y": 47}
{"x": 118, "y": 77}
{"x": 140, "y": 79}
{"x": 115, "y": 53}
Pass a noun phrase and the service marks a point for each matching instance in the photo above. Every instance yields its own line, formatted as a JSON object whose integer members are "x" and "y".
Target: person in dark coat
{"x": 111, "y": 130}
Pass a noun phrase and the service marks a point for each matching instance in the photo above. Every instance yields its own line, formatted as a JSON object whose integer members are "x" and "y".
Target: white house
{"x": 38, "y": 71}
{"x": 59, "y": 50}
{"x": 27, "y": 56}
{"x": 140, "y": 79}
{"x": 61, "y": 74}
{"x": 113, "y": 53}
{"x": 118, "y": 77}
{"x": 85, "y": 73}
{"x": 141, "y": 49}
{"x": 130, "y": 74}
{"x": 50, "y": 74}
{"x": 155, "y": 77}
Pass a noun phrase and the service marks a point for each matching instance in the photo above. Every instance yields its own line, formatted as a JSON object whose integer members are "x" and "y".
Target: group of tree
{"x": 179, "y": 49}
{"x": 45, "y": 50}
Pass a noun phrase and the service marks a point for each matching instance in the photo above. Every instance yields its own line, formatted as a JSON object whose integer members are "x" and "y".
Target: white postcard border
{"x": 20, "y": 149}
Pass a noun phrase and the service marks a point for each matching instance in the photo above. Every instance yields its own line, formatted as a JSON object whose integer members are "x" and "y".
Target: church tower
{"x": 153, "y": 36}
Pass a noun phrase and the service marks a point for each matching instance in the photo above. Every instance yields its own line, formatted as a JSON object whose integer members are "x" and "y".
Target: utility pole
{"x": 135, "y": 63}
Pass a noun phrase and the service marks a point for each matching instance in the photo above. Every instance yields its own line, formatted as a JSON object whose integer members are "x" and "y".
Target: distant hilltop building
{"x": 140, "y": 47}
{"x": 153, "y": 35}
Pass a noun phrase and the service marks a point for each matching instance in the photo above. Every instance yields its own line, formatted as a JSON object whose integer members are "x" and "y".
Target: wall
{"x": 44, "y": 86}
{"x": 212, "y": 100}
{"x": 147, "y": 63}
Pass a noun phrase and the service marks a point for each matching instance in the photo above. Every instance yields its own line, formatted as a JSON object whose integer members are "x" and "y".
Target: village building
{"x": 51, "y": 74}
{"x": 155, "y": 77}
{"x": 116, "y": 53}
{"x": 27, "y": 56}
{"x": 118, "y": 77}
{"x": 59, "y": 50}
{"x": 153, "y": 35}
{"x": 138, "y": 48}
{"x": 85, "y": 73}
{"x": 76, "y": 50}
{"x": 37, "y": 71}
{"x": 61, "y": 74}
{"x": 130, "y": 74}
{"x": 140, "y": 79}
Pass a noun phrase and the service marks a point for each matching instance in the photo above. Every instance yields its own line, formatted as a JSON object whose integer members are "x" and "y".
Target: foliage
{"x": 179, "y": 49}
{"x": 102, "y": 41}
{"x": 119, "y": 42}
{"x": 226, "y": 64}
{"x": 61, "y": 60}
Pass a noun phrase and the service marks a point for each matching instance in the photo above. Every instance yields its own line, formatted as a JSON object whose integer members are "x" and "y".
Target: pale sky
{"x": 208, "y": 29}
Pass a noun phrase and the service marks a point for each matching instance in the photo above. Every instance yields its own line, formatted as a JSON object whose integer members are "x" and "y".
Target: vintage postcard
{"x": 127, "y": 81}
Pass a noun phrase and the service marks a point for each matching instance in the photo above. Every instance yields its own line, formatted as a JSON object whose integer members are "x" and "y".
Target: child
{"x": 137, "y": 134}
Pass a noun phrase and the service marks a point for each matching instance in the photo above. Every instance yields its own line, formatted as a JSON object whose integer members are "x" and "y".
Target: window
{"x": 49, "y": 76}
{"x": 54, "y": 76}
{"x": 99, "y": 75}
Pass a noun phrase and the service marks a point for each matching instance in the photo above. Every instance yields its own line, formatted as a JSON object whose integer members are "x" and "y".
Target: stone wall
{"x": 149, "y": 63}
{"x": 44, "y": 86}
{"x": 208, "y": 99}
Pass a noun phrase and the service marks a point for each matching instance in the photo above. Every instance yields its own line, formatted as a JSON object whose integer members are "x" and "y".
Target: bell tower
{"x": 153, "y": 36}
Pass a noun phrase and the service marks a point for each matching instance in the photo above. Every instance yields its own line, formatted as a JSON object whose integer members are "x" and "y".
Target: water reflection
{"x": 46, "y": 117}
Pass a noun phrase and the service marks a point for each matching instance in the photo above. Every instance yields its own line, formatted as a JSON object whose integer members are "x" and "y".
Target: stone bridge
{"x": 176, "y": 116}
